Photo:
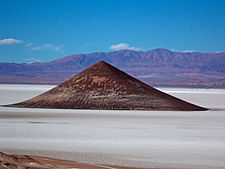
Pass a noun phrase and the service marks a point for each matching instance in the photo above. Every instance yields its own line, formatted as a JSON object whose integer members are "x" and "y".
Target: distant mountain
{"x": 102, "y": 86}
{"x": 157, "y": 67}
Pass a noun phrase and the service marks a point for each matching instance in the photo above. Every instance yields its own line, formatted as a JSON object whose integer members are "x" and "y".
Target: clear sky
{"x": 43, "y": 30}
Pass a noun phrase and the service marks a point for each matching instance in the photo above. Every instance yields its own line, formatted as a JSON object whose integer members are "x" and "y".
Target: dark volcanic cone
{"x": 103, "y": 86}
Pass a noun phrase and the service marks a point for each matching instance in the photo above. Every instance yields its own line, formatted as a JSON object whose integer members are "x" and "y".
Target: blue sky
{"x": 43, "y": 30}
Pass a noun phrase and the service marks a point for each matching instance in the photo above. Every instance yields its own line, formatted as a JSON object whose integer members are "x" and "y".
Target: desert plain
{"x": 142, "y": 139}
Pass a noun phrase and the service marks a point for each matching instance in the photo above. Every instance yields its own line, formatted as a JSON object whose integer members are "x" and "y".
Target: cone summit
{"x": 102, "y": 86}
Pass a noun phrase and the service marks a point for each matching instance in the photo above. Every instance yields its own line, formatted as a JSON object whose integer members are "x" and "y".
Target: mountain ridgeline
{"x": 158, "y": 67}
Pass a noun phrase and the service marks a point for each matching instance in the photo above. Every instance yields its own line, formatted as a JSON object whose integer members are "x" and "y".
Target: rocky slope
{"x": 103, "y": 86}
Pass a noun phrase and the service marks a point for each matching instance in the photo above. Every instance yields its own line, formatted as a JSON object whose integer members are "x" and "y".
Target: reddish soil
{"x": 34, "y": 162}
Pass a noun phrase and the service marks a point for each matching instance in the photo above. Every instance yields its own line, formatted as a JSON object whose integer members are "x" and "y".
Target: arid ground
{"x": 160, "y": 139}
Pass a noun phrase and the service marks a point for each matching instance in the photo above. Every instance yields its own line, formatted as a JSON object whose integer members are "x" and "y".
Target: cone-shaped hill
{"x": 103, "y": 86}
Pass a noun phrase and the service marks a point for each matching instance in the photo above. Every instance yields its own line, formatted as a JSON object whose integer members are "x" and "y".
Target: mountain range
{"x": 157, "y": 67}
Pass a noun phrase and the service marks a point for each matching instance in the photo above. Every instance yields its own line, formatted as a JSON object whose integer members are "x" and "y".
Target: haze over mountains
{"x": 157, "y": 67}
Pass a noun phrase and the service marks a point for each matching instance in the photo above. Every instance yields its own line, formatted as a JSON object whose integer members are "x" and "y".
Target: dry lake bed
{"x": 172, "y": 139}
